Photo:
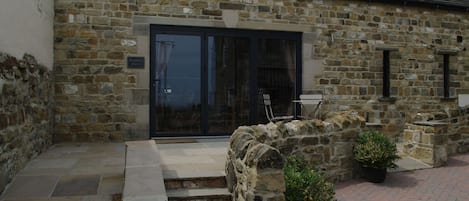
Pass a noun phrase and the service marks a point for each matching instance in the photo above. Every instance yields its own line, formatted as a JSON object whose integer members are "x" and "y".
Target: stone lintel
{"x": 142, "y": 22}
{"x": 430, "y": 123}
{"x": 387, "y": 48}
{"x": 447, "y": 51}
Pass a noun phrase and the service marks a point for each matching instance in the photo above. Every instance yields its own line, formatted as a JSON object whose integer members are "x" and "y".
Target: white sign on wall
{"x": 463, "y": 100}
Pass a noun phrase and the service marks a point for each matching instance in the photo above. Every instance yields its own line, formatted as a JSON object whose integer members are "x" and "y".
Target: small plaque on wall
{"x": 136, "y": 62}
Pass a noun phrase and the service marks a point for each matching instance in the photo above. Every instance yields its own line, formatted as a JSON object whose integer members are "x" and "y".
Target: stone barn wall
{"x": 100, "y": 99}
{"x": 25, "y": 113}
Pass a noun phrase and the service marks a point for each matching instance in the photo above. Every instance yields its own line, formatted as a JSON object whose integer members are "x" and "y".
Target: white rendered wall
{"x": 27, "y": 26}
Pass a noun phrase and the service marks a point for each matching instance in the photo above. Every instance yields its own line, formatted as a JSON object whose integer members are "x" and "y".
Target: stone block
{"x": 199, "y": 4}
{"x": 424, "y": 154}
{"x": 232, "y": 6}
{"x": 417, "y": 137}
{"x": 95, "y": 20}
{"x": 270, "y": 181}
{"x": 104, "y": 118}
{"x": 348, "y": 135}
{"x": 113, "y": 69}
{"x": 408, "y": 135}
{"x": 107, "y": 88}
{"x": 121, "y": 22}
{"x": 309, "y": 140}
{"x": 440, "y": 156}
{"x": 212, "y": 12}
{"x": 440, "y": 139}
{"x": 427, "y": 138}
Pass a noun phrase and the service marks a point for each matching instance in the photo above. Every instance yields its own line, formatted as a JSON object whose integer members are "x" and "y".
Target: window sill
{"x": 450, "y": 99}
{"x": 387, "y": 99}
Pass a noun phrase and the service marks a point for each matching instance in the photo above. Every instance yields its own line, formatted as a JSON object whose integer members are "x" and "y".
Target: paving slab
{"x": 111, "y": 185}
{"x": 53, "y": 163}
{"x": 31, "y": 187}
{"x": 77, "y": 185}
{"x": 408, "y": 164}
{"x": 71, "y": 172}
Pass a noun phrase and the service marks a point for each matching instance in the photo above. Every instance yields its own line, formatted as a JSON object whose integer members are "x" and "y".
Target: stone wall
{"x": 98, "y": 98}
{"x": 427, "y": 142}
{"x": 256, "y": 153}
{"x": 432, "y": 137}
{"x": 90, "y": 70}
{"x": 458, "y": 132}
{"x": 25, "y": 113}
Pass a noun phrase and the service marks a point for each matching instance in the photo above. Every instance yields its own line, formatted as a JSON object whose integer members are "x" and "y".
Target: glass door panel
{"x": 177, "y": 84}
{"x": 276, "y": 75}
{"x": 228, "y": 83}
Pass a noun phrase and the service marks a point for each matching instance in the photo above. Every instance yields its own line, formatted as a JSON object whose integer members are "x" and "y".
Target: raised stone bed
{"x": 256, "y": 153}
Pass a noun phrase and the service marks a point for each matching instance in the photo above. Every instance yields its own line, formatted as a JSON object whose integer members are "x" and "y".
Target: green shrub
{"x": 375, "y": 150}
{"x": 303, "y": 182}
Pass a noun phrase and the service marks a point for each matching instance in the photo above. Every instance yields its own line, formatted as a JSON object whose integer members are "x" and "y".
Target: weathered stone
{"x": 112, "y": 69}
{"x": 199, "y": 4}
{"x": 232, "y": 6}
{"x": 107, "y": 88}
{"x": 310, "y": 140}
{"x": 212, "y": 12}
{"x": 25, "y": 89}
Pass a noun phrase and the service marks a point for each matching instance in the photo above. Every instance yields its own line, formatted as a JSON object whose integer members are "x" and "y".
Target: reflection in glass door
{"x": 276, "y": 75}
{"x": 177, "y": 80}
{"x": 228, "y": 83}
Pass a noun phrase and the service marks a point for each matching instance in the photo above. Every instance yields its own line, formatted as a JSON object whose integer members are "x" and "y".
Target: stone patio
{"x": 71, "y": 172}
{"x": 95, "y": 172}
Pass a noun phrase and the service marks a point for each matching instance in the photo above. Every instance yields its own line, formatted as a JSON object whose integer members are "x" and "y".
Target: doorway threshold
{"x": 194, "y": 139}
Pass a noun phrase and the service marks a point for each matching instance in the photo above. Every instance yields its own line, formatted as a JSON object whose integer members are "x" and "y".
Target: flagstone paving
{"x": 449, "y": 183}
{"x": 95, "y": 172}
{"x": 71, "y": 172}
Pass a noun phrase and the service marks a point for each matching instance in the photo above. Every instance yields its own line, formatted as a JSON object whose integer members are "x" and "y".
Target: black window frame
{"x": 446, "y": 71}
{"x": 386, "y": 93}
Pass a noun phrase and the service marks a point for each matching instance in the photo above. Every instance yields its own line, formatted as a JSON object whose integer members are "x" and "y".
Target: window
{"x": 446, "y": 70}
{"x": 207, "y": 81}
{"x": 386, "y": 71}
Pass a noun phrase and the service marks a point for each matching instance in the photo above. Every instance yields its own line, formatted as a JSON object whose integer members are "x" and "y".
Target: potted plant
{"x": 375, "y": 152}
{"x": 303, "y": 182}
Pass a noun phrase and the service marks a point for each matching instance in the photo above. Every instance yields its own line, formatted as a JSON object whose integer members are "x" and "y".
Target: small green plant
{"x": 374, "y": 150}
{"x": 303, "y": 182}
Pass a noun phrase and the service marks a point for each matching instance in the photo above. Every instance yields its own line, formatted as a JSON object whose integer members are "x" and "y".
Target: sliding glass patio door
{"x": 207, "y": 82}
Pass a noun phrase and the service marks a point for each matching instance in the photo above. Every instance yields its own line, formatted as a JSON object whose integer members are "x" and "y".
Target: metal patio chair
{"x": 269, "y": 113}
{"x": 310, "y": 100}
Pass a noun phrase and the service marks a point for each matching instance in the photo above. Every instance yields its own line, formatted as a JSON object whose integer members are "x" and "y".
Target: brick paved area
{"x": 449, "y": 183}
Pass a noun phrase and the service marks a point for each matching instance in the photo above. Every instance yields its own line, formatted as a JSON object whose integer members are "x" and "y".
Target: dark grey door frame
{"x": 204, "y": 33}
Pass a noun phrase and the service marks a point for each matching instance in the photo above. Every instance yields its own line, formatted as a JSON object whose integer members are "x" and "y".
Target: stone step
{"x": 202, "y": 194}
{"x": 195, "y": 182}
{"x": 175, "y": 179}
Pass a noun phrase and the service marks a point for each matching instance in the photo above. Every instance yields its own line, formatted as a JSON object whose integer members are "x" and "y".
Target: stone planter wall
{"x": 435, "y": 136}
{"x": 427, "y": 141}
{"x": 256, "y": 153}
{"x": 458, "y": 133}
{"x": 25, "y": 113}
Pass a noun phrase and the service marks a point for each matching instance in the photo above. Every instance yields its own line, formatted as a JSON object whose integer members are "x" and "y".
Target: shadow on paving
{"x": 393, "y": 180}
